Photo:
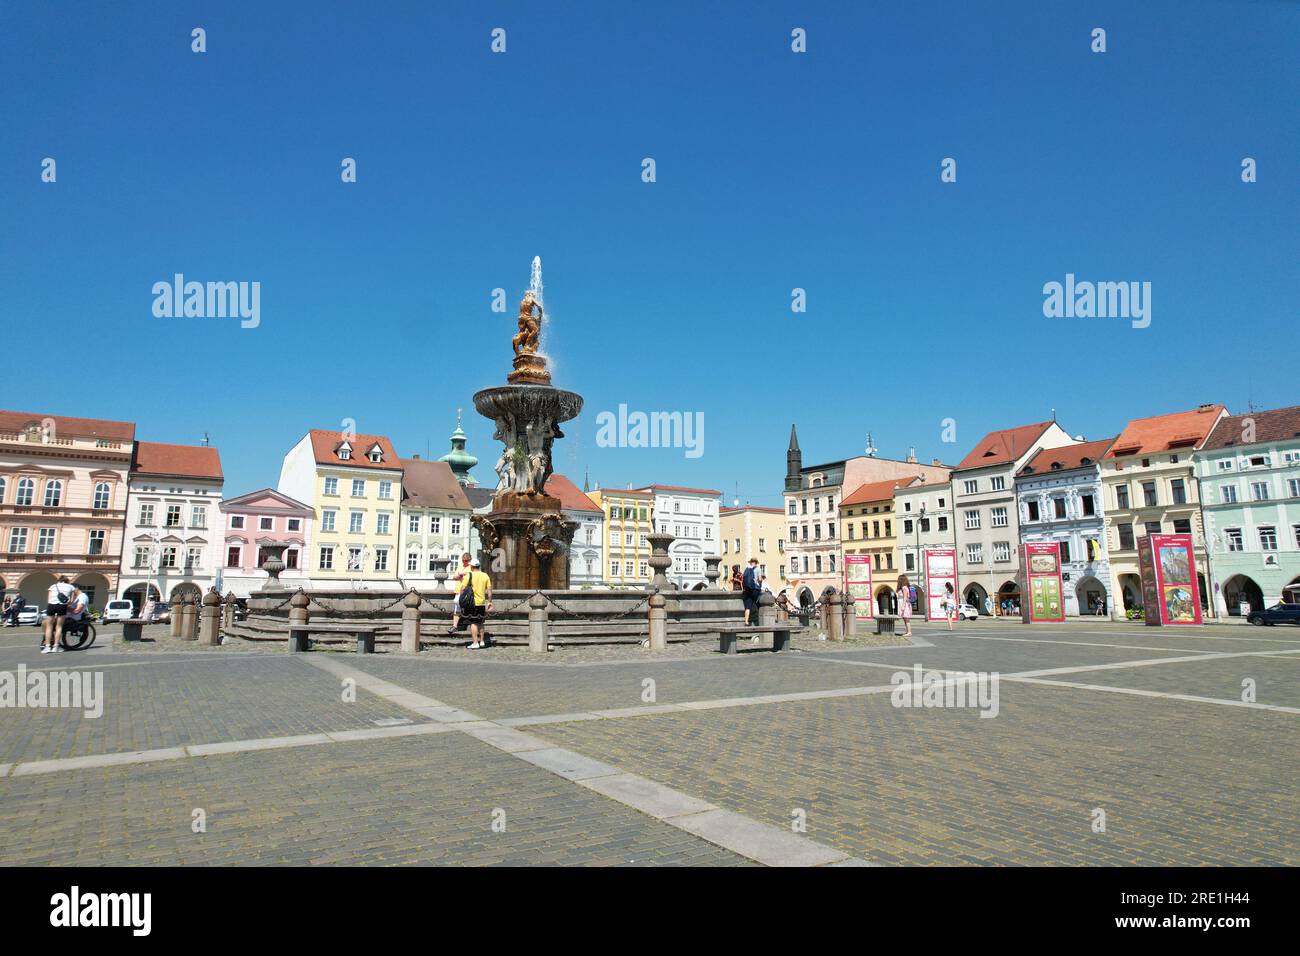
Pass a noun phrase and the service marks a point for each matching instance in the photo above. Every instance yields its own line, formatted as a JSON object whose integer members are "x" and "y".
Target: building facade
{"x": 923, "y": 515}
{"x": 1149, "y": 486}
{"x": 173, "y": 530}
{"x": 1059, "y": 499}
{"x": 987, "y": 516}
{"x": 435, "y": 522}
{"x": 251, "y": 523}
{"x": 628, "y": 518}
{"x": 869, "y": 526}
{"x": 690, "y": 515}
{"x": 1249, "y": 476}
{"x": 63, "y": 497}
{"x": 586, "y": 555}
{"x": 812, "y": 498}
{"x": 354, "y": 485}
{"x": 752, "y": 532}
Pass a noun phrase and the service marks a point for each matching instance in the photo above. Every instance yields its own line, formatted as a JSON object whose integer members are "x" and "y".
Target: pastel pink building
{"x": 253, "y": 521}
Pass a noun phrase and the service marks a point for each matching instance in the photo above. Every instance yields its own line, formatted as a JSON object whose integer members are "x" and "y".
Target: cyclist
{"x": 78, "y": 611}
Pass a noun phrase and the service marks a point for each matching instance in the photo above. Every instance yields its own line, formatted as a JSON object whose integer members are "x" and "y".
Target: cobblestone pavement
{"x": 1180, "y": 781}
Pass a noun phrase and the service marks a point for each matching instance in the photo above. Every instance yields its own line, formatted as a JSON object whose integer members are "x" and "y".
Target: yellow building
{"x": 629, "y": 517}
{"x": 753, "y": 532}
{"x": 354, "y": 484}
{"x": 868, "y": 526}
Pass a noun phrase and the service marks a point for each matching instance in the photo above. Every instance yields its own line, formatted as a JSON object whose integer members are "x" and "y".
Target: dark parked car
{"x": 158, "y": 613}
{"x": 1277, "y": 614}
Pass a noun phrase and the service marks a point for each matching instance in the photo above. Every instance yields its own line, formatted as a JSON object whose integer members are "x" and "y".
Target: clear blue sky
{"x": 775, "y": 171}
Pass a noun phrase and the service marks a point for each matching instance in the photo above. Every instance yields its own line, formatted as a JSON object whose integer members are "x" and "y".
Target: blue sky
{"x": 775, "y": 171}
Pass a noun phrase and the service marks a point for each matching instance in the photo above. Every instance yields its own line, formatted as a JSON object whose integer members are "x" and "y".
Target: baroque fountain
{"x": 526, "y": 538}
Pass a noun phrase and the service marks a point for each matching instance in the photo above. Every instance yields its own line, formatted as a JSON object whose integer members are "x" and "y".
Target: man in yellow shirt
{"x": 481, "y": 588}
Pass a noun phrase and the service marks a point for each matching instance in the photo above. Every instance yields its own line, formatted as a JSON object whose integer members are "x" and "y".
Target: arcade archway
{"x": 1240, "y": 589}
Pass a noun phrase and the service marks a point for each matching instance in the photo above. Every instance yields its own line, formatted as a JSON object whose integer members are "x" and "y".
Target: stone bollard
{"x": 766, "y": 609}
{"x": 299, "y": 616}
{"x": 189, "y": 618}
{"x": 658, "y": 622}
{"x": 831, "y": 619}
{"x": 849, "y": 619}
{"x": 210, "y": 619}
{"x": 538, "y": 618}
{"x": 176, "y": 615}
{"x": 228, "y": 610}
{"x": 411, "y": 622}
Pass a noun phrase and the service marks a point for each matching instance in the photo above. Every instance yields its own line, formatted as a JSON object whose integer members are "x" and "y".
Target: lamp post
{"x": 155, "y": 552}
{"x": 924, "y": 594}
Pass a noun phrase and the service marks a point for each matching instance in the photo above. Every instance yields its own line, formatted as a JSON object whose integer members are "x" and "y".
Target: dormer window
{"x": 344, "y": 451}
{"x": 376, "y": 454}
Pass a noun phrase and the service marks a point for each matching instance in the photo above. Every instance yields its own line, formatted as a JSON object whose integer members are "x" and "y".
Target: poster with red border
{"x": 1040, "y": 567}
{"x": 1170, "y": 591}
{"x": 940, "y": 569}
{"x": 857, "y": 582}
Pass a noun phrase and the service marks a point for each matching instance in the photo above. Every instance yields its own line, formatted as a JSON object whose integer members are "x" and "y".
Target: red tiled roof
{"x": 876, "y": 491}
{"x": 66, "y": 427}
{"x": 1004, "y": 445}
{"x": 571, "y": 496}
{"x": 323, "y": 444}
{"x": 1066, "y": 457}
{"x": 1275, "y": 424}
{"x": 1162, "y": 432}
{"x": 180, "y": 461}
{"x": 693, "y": 491}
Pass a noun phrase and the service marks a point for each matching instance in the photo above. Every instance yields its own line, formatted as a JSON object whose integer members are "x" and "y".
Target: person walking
{"x": 477, "y": 588}
{"x": 737, "y": 580}
{"x": 949, "y": 603}
{"x": 56, "y": 608}
{"x": 751, "y": 589}
{"x": 904, "y": 599}
{"x": 459, "y": 578}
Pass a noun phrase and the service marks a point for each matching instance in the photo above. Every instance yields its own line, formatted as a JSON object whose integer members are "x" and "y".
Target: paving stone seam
{"x": 1140, "y": 692}
{"x": 731, "y": 831}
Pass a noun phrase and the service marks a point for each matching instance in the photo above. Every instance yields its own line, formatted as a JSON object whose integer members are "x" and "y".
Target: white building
{"x": 174, "y": 527}
{"x": 435, "y": 522}
{"x": 691, "y": 516}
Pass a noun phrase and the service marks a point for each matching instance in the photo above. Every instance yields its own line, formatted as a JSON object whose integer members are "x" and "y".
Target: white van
{"x": 118, "y": 610}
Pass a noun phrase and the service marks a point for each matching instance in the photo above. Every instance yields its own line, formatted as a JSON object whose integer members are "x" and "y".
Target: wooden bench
{"x": 885, "y": 623}
{"x": 132, "y": 628}
{"x": 299, "y": 639}
{"x": 728, "y": 633}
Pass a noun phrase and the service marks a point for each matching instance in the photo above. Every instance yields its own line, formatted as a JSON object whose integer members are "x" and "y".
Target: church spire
{"x": 793, "y": 462}
{"x": 458, "y": 458}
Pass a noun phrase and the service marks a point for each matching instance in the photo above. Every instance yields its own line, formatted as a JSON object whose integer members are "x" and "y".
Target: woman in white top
{"x": 55, "y": 610}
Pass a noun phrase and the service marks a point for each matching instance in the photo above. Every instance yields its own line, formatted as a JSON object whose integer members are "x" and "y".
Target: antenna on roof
{"x": 205, "y": 441}
{"x": 871, "y": 449}
{"x": 1053, "y": 414}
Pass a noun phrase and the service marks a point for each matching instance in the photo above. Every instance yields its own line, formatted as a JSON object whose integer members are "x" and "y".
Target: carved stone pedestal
{"x": 526, "y": 550}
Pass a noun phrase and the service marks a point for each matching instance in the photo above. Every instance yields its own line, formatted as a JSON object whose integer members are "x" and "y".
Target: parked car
{"x": 158, "y": 613}
{"x": 118, "y": 610}
{"x": 30, "y": 614}
{"x": 1277, "y": 614}
{"x": 966, "y": 612}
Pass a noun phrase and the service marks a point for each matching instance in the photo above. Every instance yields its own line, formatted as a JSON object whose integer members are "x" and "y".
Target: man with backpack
{"x": 473, "y": 601}
{"x": 459, "y": 578}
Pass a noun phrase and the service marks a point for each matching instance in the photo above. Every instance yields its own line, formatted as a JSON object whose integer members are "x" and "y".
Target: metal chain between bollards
{"x": 600, "y": 620}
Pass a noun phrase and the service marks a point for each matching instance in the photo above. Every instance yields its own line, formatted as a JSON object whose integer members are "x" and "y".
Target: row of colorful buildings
{"x": 126, "y": 518}
{"x": 1230, "y": 482}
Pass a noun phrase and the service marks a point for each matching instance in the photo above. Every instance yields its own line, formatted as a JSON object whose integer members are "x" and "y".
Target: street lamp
{"x": 155, "y": 554}
{"x": 924, "y": 594}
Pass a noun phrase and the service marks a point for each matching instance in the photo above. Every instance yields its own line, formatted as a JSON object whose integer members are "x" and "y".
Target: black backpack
{"x": 465, "y": 600}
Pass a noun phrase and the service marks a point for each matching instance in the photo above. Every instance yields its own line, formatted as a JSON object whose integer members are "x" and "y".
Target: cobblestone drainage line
{"x": 739, "y": 834}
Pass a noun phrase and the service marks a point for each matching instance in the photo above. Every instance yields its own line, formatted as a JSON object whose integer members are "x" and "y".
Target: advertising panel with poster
{"x": 857, "y": 582}
{"x": 1170, "y": 591}
{"x": 940, "y": 569}
{"x": 1040, "y": 565}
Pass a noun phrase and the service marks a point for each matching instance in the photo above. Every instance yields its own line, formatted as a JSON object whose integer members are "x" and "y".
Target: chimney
{"x": 415, "y": 457}
{"x": 1207, "y": 407}
{"x": 911, "y": 456}
{"x": 935, "y": 462}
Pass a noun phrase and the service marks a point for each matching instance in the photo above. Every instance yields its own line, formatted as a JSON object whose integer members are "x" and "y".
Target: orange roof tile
{"x": 1163, "y": 432}
{"x": 324, "y": 443}
{"x": 1004, "y": 445}
{"x": 68, "y": 427}
{"x": 571, "y": 496}
{"x": 1066, "y": 457}
{"x": 178, "y": 461}
{"x": 876, "y": 491}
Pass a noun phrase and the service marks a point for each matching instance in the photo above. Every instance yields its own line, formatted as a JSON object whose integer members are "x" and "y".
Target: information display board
{"x": 857, "y": 582}
{"x": 1170, "y": 592}
{"x": 1040, "y": 572}
{"x": 940, "y": 569}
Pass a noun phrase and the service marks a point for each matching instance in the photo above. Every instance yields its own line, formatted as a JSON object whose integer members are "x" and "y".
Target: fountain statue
{"x": 525, "y": 536}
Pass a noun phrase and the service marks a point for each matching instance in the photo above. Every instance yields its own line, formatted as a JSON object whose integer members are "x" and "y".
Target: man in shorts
{"x": 480, "y": 586}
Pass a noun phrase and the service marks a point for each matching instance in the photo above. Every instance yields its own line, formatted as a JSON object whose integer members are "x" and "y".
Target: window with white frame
{"x": 95, "y": 542}
{"x": 1267, "y": 537}
{"x": 999, "y": 517}
{"x": 971, "y": 486}
{"x": 413, "y": 526}
{"x": 1293, "y": 487}
{"x": 25, "y": 491}
{"x": 293, "y": 524}
{"x": 198, "y": 516}
{"x": 455, "y": 526}
{"x": 331, "y": 487}
{"x": 972, "y": 520}
{"x": 266, "y": 523}
{"x": 413, "y": 561}
{"x": 358, "y": 487}
{"x": 327, "y": 559}
{"x": 1001, "y": 551}
{"x": 45, "y": 541}
{"x": 974, "y": 554}
{"x": 168, "y": 557}
{"x": 386, "y": 489}
{"x": 141, "y": 556}
{"x": 1232, "y": 537}
{"x": 53, "y": 493}
{"x": 381, "y": 522}
{"x": 146, "y": 514}
{"x": 1259, "y": 491}
{"x": 194, "y": 559}
{"x": 173, "y": 516}
{"x": 327, "y": 519}
{"x": 356, "y": 521}
{"x": 998, "y": 483}
{"x": 236, "y": 522}
{"x": 1228, "y": 493}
